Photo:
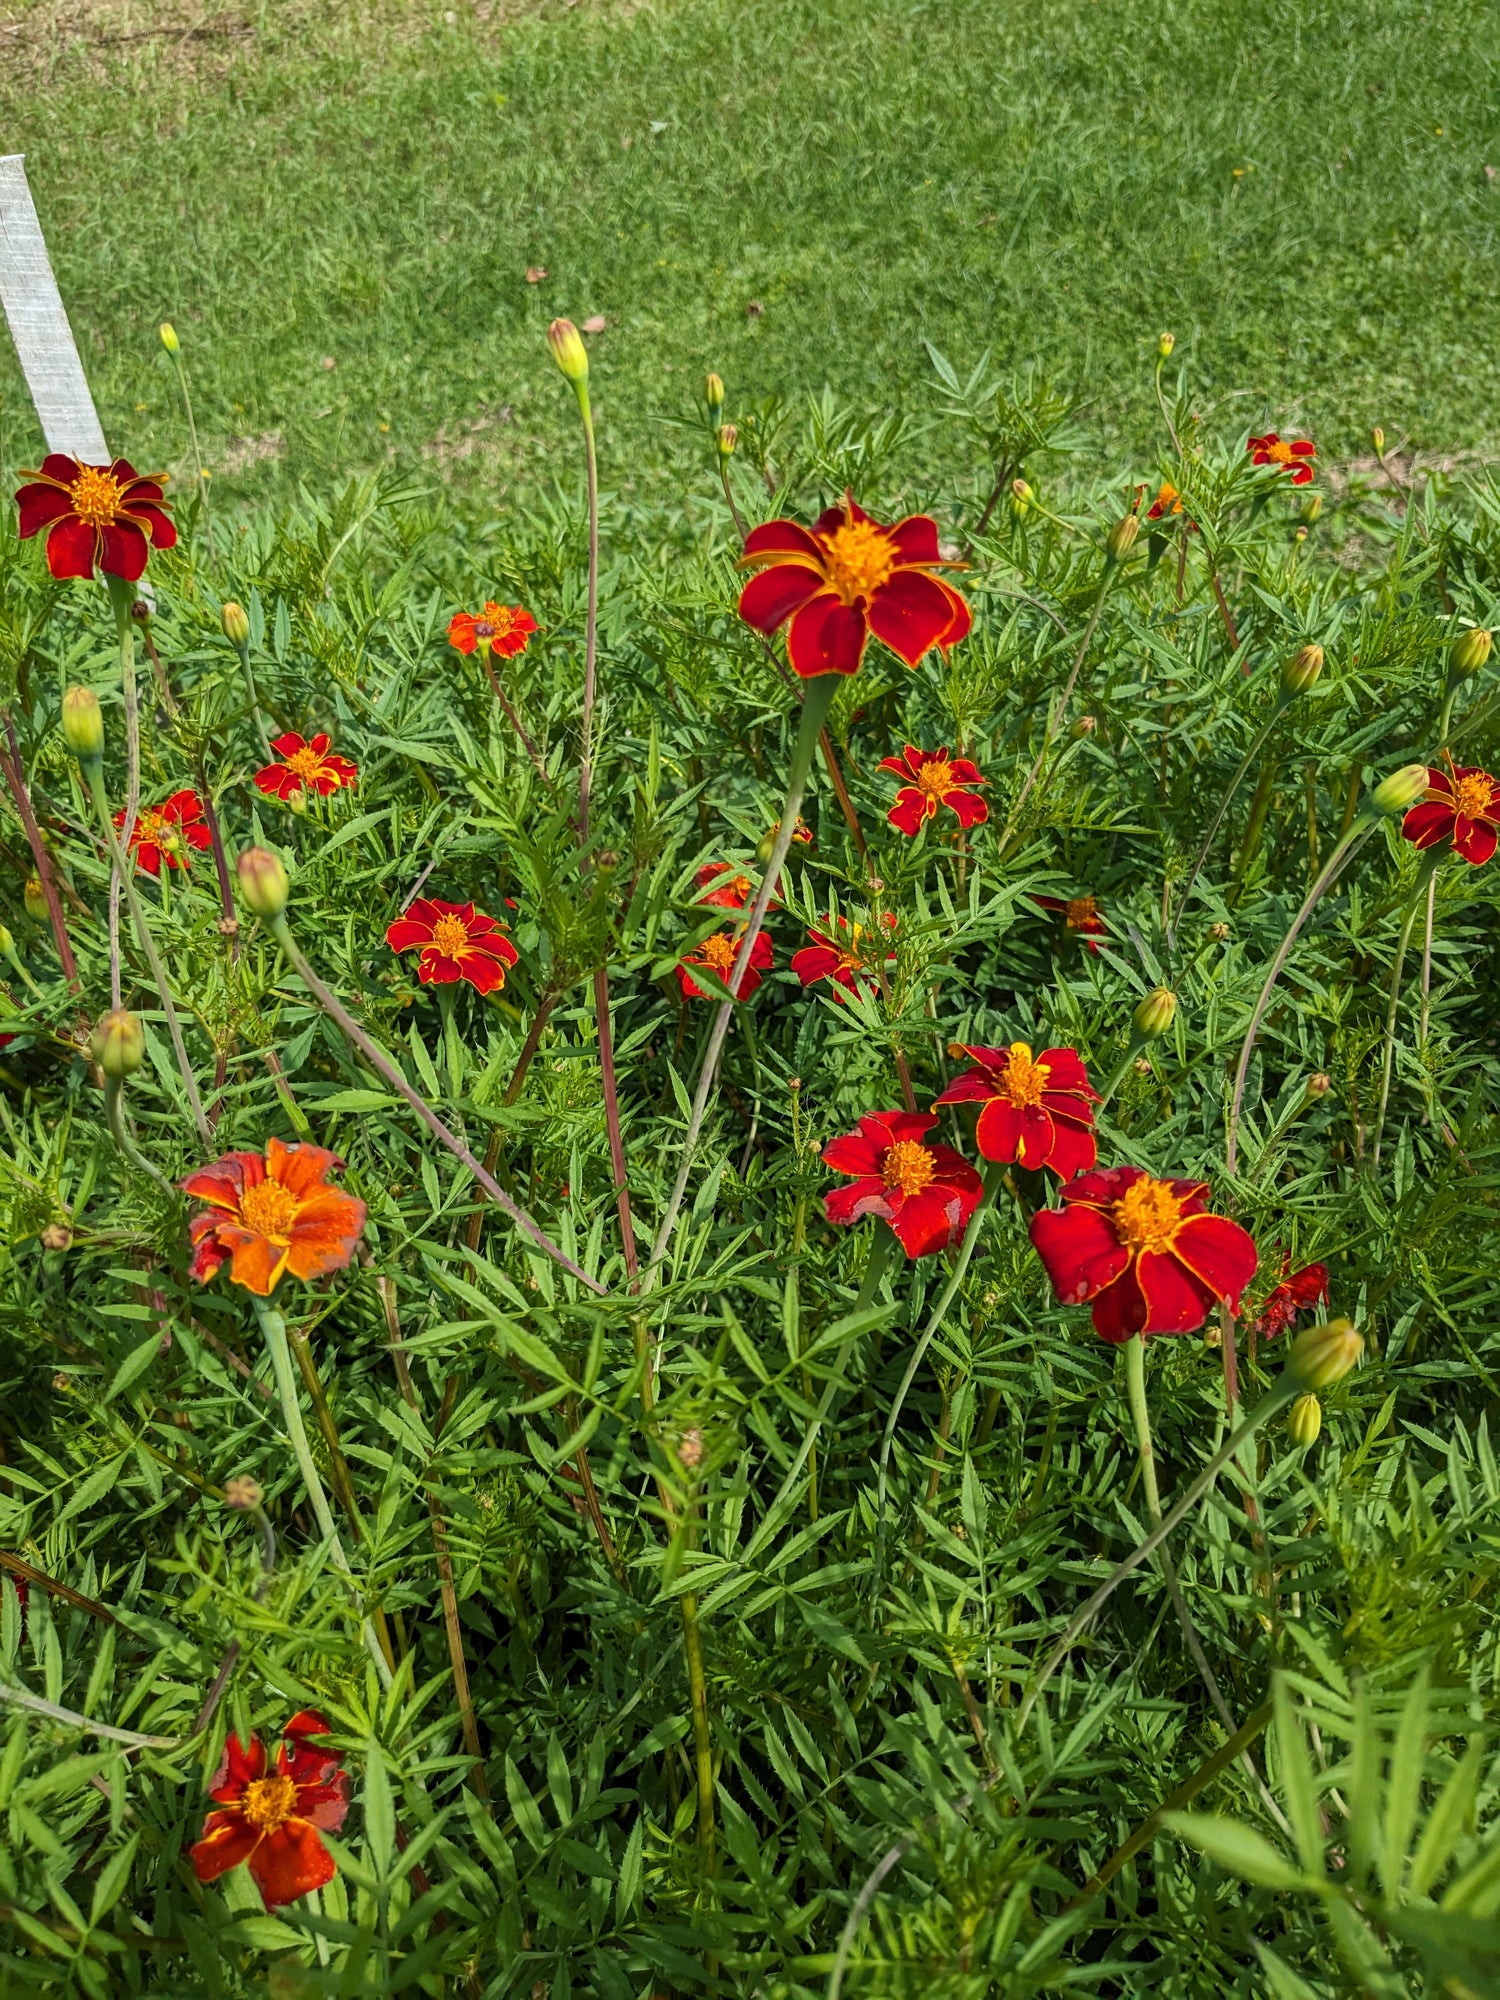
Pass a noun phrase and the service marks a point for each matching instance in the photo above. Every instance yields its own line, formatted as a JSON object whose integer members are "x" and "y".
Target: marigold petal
{"x": 975, "y": 1086}
{"x": 927, "y": 1222}
{"x": 240, "y": 1765}
{"x": 866, "y": 1196}
{"x": 768, "y": 600}
{"x": 1219, "y": 1253}
{"x": 967, "y": 807}
{"x": 998, "y": 1134}
{"x": 228, "y": 1839}
{"x": 300, "y": 1167}
{"x": 776, "y": 539}
{"x": 290, "y": 1862}
{"x": 39, "y": 505}
{"x": 1074, "y": 1148}
{"x": 855, "y": 1153}
{"x": 123, "y": 550}
{"x": 254, "y": 1263}
{"x": 910, "y": 613}
{"x": 1065, "y": 1071}
{"x": 815, "y": 962}
{"x": 1176, "y": 1300}
{"x": 1079, "y": 1250}
{"x": 1475, "y": 840}
{"x": 912, "y": 810}
{"x": 155, "y": 523}
{"x": 71, "y": 549}
{"x": 407, "y": 932}
{"x": 1119, "y": 1310}
{"x": 915, "y": 539}
{"x": 901, "y": 766}
{"x": 826, "y": 637}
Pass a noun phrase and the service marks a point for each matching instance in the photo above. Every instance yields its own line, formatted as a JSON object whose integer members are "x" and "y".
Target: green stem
{"x": 703, "y": 1746}
{"x": 1218, "y": 819}
{"x": 591, "y": 630}
{"x": 1060, "y": 706}
{"x": 114, "y": 1112}
{"x": 187, "y": 404}
{"x": 256, "y": 715}
{"x": 273, "y": 1328}
{"x": 122, "y": 601}
{"x": 994, "y": 1180}
{"x": 1427, "y": 960}
{"x": 1408, "y": 925}
{"x": 94, "y": 776}
{"x": 1137, "y": 1042}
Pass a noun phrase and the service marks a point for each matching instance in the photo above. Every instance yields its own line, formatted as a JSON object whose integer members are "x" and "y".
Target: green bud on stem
{"x": 1155, "y": 1013}
{"x": 568, "y": 350}
{"x": 1121, "y": 538}
{"x": 236, "y": 622}
{"x": 1470, "y": 651}
{"x": 1401, "y": 790}
{"x": 83, "y": 724}
{"x": 1304, "y": 1421}
{"x": 1302, "y": 670}
{"x": 1323, "y": 1355}
{"x": 118, "y": 1043}
{"x": 263, "y": 884}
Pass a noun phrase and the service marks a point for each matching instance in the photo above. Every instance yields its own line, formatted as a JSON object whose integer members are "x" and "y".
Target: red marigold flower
{"x": 502, "y": 628}
{"x": 1037, "y": 1109}
{"x": 305, "y": 763}
{"x": 1274, "y": 450}
{"x": 163, "y": 833}
{"x": 457, "y": 942}
{"x": 846, "y": 577}
{"x": 934, "y": 779}
{"x": 273, "y": 1818}
{"x": 1297, "y": 1292}
{"x": 1081, "y": 914}
{"x": 732, "y": 891}
{"x": 1144, "y": 1251}
{"x": 926, "y": 1193}
{"x": 270, "y": 1215}
{"x": 1168, "y": 501}
{"x": 846, "y": 959}
{"x": 717, "y": 954}
{"x": 96, "y": 516}
{"x": 1460, "y": 806}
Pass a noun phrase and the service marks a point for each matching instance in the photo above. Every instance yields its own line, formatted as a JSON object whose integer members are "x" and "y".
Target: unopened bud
{"x": 1155, "y": 1013}
{"x": 1470, "y": 651}
{"x": 1021, "y": 497}
{"x": 34, "y": 896}
{"x": 690, "y": 1449}
{"x": 726, "y": 438}
{"x": 236, "y": 623}
{"x": 1121, "y": 538}
{"x": 1302, "y": 670}
{"x": 1304, "y": 1421}
{"x": 1084, "y": 726}
{"x": 568, "y": 350}
{"x": 713, "y": 394}
{"x": 1401, "y": 790}
{"x": 7, "y": 942}
{"x": 296, "y": 801}
{"x": 83, "y": 724}
{"x": 140, "y": 611}
{"x": 1325, "y": 1354}
{"x": 1377, "y": 438}
{"x": 1165, "y": 345}
{"x": 57, "y": 1236}
{"x": 1219, "y": 932}
{"x": 169, "y": 338}
{"x": 242, "y": 1492}
{"x": 1319, "y": 1083}
{"x": 1312, "y": 508}
{"x": 118, "y": 1043}
{"x": 263, "y": 884}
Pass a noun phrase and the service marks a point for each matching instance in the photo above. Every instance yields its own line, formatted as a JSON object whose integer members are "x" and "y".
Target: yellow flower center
{"x": 1082, "y": 913}
{"x": 96, "y": 496}
{"x": 154, "y": 829}
{"x": 305, "y": 762}
{"x": 1280, "y": 453}
{"x": 1472, "y": 795}
{"x": 936, "y": 778}
{"x": 909, "y": 1167}
{"x": 269, "y": 1802}
{"x": 451, "y": 935}
{"x": 859, "y": 559}
{"x": 1024, "y": 1079}
{"x": 719, "y": 953}
{"x": 1147, "y": 1214}
{"x": 269, "y": 1209}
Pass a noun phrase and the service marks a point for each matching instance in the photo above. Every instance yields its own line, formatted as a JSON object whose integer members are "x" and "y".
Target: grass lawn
{"x": 338, "y": 205}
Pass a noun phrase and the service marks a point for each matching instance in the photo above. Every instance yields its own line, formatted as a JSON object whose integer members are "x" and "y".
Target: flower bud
{"x": 713, "y": 394}
{"x": 242, "y": 1492}
{"x": 726, "y": 438}
{"x": 1312, "y": 508}
{"x": 1155, "y": 1013}
{"x": 1401, "y": 790}
{"x": 1324, "y": 1354}
{"x": 169, "y": 338}
{"x": 1302, "y": 670}
{"x": 1319, "y": 1084}
{"x": 1121, "y": 538}
{"x": 263, "y": 884}
{"x": 83, "y": 724}
{"x": 1084, "y": 726}
{"x": 1165, "y": 345}
{"x": 1220, "y": 933}
{"x": 1470, "y": 651}
{"x": 297, "y": 801}
{"x": 1304, "y": 1421}
{"x": 568, "y": 350}
{"x": 34, "y": 896}
{"x": 236, "y": 624}
{"x": 57, "y": 1236}
{"x": 1377, "y": 438}
{"x": 1021, "y": 497}
{"x": 7, "y": 942}
{"x": 118, "y": 1043}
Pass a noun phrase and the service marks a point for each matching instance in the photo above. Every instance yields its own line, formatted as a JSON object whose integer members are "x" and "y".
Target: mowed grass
{"x": 338, "y": 206}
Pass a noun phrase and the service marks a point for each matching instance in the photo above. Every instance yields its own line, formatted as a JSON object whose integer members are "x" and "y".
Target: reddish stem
{"x": 15, "y": 782}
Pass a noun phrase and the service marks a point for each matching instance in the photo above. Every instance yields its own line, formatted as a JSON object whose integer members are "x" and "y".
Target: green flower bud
{"x": 83, "y": 724}
{"x": 1304, "y": 1421}
{"x": 568, "y": 350}
{"x": 726, "y": 437}
{"x": 1302, "y": 670}
{"x": 263, "y": 885}
{"x": 236, "y": 623}
{"x": 1165, "y": 345}
{"x": 1325, "y": 1354}
{"x": 1312, "y": 508}
{"x": 169, "y": 338}
{"x": 1156, "y": 1013}
{"x": 713, "y": 394}
{"x": 1021, "y": 498}
{"x": 118, "y": 1043}
{"x": 1470, "y": 651}
{"x": 1121, "y": 538}
{"x": 7, "y": 942}
{"x": 34, "y": 896}
{"x": 1401, "y": 790}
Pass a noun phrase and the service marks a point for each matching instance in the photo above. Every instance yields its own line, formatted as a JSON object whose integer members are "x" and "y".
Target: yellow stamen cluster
{"x": 270, "y": 1210}
{"x": 719, "y": 952}
{"x": 936, "y": 778}
{"x": 1023, "y": 1079}
{"x": 1146, "y": 1215}
{"x": 908, "y": 1167}
{"x": 305, "y": 762}
{"x": 450, "y": 934}
{"x": 1472, "y": 795}
{"x": 97, "y": 496}
{"x": 859, "y": 559}
{"x": 1280, "y": 453}
{"x": 269, "y": 1802}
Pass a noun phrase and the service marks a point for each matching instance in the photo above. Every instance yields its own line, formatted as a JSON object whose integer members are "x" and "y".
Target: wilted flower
{"x": 456, "y": 942}
{"x": 304, "y": 763}
{"x": 273, "y": 1818}
{"x": 1168, "y": 501}
{"x": 163, "y": 833}
{"x": 272, "y": 1214}
{"x": 1038, "y": 1110}
{"x": 933, "y": 779}
{"x": 1297, "y": 1291}
{"x": 926, "y": 1193}
{"x": 105, "y": 517}
{"x": 1080, "y": 913}
{"x": 846, "y": 577}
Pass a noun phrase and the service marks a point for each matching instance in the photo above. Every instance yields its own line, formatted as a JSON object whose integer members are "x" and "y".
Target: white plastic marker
{"x": 39, "y": 325}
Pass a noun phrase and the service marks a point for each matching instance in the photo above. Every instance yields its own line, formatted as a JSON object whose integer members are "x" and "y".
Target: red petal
{"x": 845, "y": 1205}
{"x": 782, "y": 538}
{"x": 290, "y": 1862}
{"x": 901, "y": 766}
{"x": 975, "y": 1086}
{"x": 998, "y": 1133}
{"x": 408, "y": 931}
{"x": 1218, "y": 1252}
{"x": 1074, "y": 1149}
{"x": 1037, "y": 1135}
{"x": 1079, "y": 1251}
{"x": 826, "y": 637}
{"x": 895, "y": 1125}
{"x": 241, "y": 1765}
{"x": 910, "y": 614}
{"x": 968, "y": 807}
{"x": 769, "y": 599}
{"x": 158, "y": 526}
{"x": 228, "y": 1839}
{"x": 912, "y": 810}
{"x": 916, "y": 539}
{"x": 1475, "y": 840}
{"x": 57, "y": 465}
{"x": 1120, "y": 1309}
{"x": 1065, "y": 1070}
{"x": 124, "y": 551}
{"x": 814, "y": 962}
{"x": 70, "y": 549}
{"x": 300, "y": 1169}
{"x": 929, "y": 1221}
{"x": 1176, "y": 1302}
{"x": 855, "y": 1153}
{"x": 38, "y": 506}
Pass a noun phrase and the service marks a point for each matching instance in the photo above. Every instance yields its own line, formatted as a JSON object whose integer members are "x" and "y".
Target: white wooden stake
{"x": 39, "y": 325}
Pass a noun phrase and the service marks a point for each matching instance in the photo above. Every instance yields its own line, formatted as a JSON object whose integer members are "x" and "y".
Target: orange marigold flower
{"x": 456, "y": 941}
{"x": 1081, "y": 914}
{"x": 846, "y": 577}
{"x": 1168, "y": 501}
{"x": 305, "y": 763}
{"x": 717, "y": 954}
{"x": 270, "y": 1215}
{"x": 108, "y": 517}
{"x": 847, "y": 958}
{"x": 731, "y": 890}
{"x": 934, "y": 779}
{"x": 164, "y": 833}
{"x": 273, "y": 1818}
{"x": 1038, "y": 1110}
{"x": 1298, "y": 1291}
{"x": 500, "y": 628}
{"x": 1461, "y": 807}
{"x": 1295, "y": 452}
{"x": 1144, "y": 1251}
{"x": 926, "y": 1193}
